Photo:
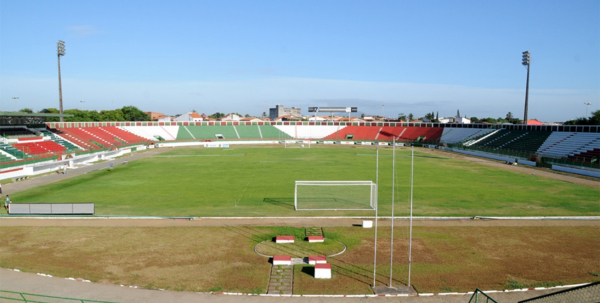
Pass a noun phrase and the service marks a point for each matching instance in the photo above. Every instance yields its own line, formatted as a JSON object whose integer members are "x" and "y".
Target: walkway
{"x": 35, "y": 284}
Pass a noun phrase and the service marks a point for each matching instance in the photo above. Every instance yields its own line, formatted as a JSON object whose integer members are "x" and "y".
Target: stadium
{"x": 196, "y": 209}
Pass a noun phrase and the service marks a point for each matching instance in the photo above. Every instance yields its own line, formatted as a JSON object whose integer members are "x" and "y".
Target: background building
{"x": 279, "y": 111}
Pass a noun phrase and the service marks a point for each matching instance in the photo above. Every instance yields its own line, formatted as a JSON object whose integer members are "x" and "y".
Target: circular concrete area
{"x": 300, "y": 248}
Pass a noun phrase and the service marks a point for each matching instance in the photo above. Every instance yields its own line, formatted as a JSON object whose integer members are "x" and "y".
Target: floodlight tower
{"x": 60, "y": 50}
{"x": 526, "y": 62}
{"x": 587, "y": 104}
{"x": 17, "y": 98}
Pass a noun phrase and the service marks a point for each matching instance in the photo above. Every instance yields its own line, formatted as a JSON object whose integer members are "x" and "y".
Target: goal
{"x": 335, "y": 195}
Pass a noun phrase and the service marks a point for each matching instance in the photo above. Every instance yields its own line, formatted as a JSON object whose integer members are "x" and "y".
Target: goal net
{"x": 335, "y": 195}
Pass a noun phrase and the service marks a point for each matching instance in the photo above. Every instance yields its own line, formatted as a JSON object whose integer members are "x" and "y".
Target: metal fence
{"x": 583, "y": 294}
{"x": 480, "y": 297}
{"x": 13, "y": 296}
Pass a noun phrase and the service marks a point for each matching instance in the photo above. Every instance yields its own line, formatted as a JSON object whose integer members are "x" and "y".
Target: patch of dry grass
{"x": 178, "y": 258}
{"x": 464, "y": 258}
{"x": 222, "y": 258}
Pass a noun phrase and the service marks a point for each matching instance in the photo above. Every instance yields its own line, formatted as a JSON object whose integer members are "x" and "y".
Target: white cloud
{"x": 83, "y": 30}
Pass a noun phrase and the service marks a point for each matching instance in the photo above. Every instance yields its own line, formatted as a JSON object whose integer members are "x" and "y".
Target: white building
{"x": 231, "y": 117}
{"x": 189, "y": 117}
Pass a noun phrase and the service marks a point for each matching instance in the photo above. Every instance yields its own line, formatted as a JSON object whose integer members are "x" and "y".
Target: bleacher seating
{"x": 122, "y": 135}
{"x": 14, "y": 132}
{"x": 74, "y": 139}
{"x": 308, "y": 131}
{"x": 387, "y": 133}
{"x": 6, "y": 157}
{"x": 248, "y": 131}
{"x": 40, "y": 147}
{"x": 456, "y": 135}
{"x": 273, "y": 133}
{"x": 12, "y": 151}
{"x": 210, "y": 132}
{"x": 66, "y": 144}
{"x": 92, "y": 138}
{"x": 514, "y": 140}
{"x": 590, "y": 156}
{"x": 154, "y": 133}
{"x": 430, "y": 134}
{"x": 563, "y": 144}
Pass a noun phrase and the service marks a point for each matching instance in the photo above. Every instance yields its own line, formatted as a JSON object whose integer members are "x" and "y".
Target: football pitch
{"x": 259, "y": 182}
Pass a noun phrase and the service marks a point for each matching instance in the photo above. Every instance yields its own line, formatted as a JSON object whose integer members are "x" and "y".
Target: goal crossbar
{"x": 335, "y": 195}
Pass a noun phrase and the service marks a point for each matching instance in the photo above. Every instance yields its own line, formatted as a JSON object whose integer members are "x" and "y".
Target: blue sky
{"x": 385, "y": 57}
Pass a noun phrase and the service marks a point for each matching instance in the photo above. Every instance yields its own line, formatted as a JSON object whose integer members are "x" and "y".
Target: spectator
{"x": 7, "y": 203}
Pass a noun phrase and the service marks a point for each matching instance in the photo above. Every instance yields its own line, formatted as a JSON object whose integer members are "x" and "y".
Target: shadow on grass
{"x": 287, "y": 203}
{"x": 309, "y": 270}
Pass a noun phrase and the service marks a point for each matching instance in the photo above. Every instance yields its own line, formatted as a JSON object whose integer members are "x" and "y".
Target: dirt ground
{"x": 298, "y": 222}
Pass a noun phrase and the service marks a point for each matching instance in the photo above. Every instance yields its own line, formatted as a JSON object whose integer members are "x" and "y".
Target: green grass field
{"x": 246, "y": 181}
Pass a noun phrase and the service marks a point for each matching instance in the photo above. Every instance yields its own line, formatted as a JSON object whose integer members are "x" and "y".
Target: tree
{"x": 132, "y": 113}
{"x": 430, "y": 116}
{"x": 437, "y": 117}
{"x": 475, "y": 120}
{"x": 111, "y": 115}
{"x": 593, "y": 120}
{"x": 49, "y": 111}
{"x": 217, "y": 115}
{"x": 264, "y": 114}
{"x": 26, "y": 110}
{"x": 401, "y": 117}
{"x": 509, "y": 116}
{"x": 410, "y": 117}
{"x": 247, "y": 115}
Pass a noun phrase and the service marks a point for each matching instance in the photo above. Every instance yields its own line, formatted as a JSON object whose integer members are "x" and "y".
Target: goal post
{"x": 335, "y": 195}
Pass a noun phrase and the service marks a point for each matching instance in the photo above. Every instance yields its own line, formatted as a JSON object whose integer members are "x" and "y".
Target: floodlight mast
{"x": 526, "y": 62}
{"x": 60, "y": 50}
{"x": 587, "y": 104}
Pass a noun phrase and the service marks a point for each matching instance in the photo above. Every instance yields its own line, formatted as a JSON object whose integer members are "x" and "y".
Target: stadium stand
{"x": 308, "y": 131}
{"x": 456, "y": 135}
{"x": 525, "y": 142}
{"x": 154, "y": 133}
{"x": 387, "y": 133}
{"x": 209, "y": 132}
{"x": 590, "y": 156}
{"x": 122, "y": 135}
{"x": 563, "y": 144}
{"x": 248, "y": 131}
{"x": 12, "y": 151}
{"x": 428, "y": 134}
{"x": 6, "y": 157}
{"x": 91, "y": 135}
{"x": 17, "y": 132}
{"x": 40, "y": 147}
{"x": 68, "y": 145}
{"x": 272, "y": 132}
{"x": 72, "y": 138}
